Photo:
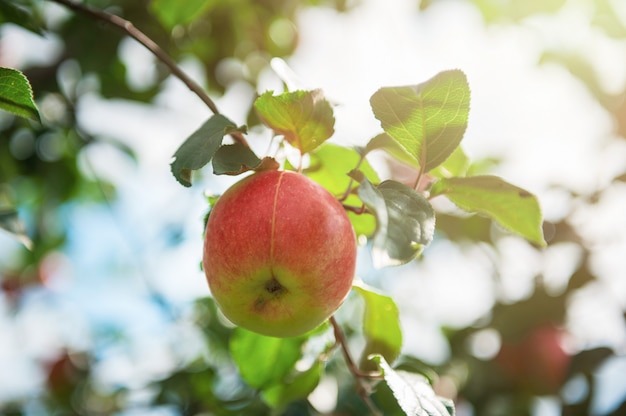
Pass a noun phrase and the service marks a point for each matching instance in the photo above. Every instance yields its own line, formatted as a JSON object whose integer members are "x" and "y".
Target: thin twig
{"x": 142, "y": 38}
{"x": 343, "y": 342}
{"x": 132, "y": 31}
{"x": 357, "y": 210}
{"x": 359, "y": 375}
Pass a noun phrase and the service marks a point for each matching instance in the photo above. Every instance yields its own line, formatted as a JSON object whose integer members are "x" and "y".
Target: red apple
{"x": 537, "y": 362}
{"x": 279, "y": 253}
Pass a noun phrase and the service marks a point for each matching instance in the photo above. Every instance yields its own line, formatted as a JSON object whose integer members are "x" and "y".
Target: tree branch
{"x": 130, "y": 29}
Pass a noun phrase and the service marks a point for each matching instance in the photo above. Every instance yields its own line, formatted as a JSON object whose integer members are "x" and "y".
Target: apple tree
{"x": 288, "y": 312}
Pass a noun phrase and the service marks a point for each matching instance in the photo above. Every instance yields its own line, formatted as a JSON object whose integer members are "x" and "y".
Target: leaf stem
{"x": 132, "y": 31}
{"x": 420, "y": 175}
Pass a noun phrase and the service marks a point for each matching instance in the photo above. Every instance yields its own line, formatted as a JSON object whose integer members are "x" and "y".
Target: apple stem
{"x": 132, "y": 31}
{"x": 361, "y": 377}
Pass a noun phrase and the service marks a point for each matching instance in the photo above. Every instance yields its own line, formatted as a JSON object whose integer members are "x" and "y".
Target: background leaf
{"x": 16, "y": 95}
{"x": 512, "y": 207}
{"x": 428, "y": 120}
{"x": 405, "y": 221}
{"x": 413, "y": 392}
{"x": 294, "y": 387}
{"x": 330, "y": 165}
{"x": 21, "y": 16}
{"x": 174, "y": 12}
{"x": 305, "y": 118}
{"x": 264, "y": 361}
{"x": 200, "y": 147}
{"x": 381, "y": 326}
{"x": 458, "y": 164}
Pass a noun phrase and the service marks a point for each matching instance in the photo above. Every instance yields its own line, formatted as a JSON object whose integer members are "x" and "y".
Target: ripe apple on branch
{"x": 279, "y": 253}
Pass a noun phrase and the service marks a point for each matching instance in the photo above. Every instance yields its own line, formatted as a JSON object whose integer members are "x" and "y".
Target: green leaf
{"x": 482, "y": 166}
{"x": 381, "y": 325}
{"x": 513, "y": 208}
{"x": 330, "y": 165}
{"x": 10, "y": 221}
{"x": 16, "y": 95}
{"x": 234, "y": 159}
{"x": 607, "y": 18}
{"x": 375, "y": 203}
{"x": 405, "y": 222}
{"x": 264, "y": 361}
{"x": 304, "y": 118}
{"x": 497, "y": 10}
{"x": 428, "y": 120}
{"x": 294, "y": 387}
{"x": 458, "y": 164}
{"x": 413, "y": 392}
{"x": 384, "y": 142}
{"x": 200, "y": 147}
{"x": 174, "y": 12}
{"x": 10, "y": 12}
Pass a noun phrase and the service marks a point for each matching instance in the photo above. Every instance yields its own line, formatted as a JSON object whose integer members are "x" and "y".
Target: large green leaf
{"x": 428, "y": 120}
{"x": 512, "y": 207}
{"x": 381, "y": 325}
{"x": 264, "y": 361}
{"x": 200, "y": 147}
{"x": 304, "y": 118}
{"x": 405, "y": 221}
{"x": 414, "y": 394}
{"x": 175, "y": 12}
{"x": 16, "y": 95}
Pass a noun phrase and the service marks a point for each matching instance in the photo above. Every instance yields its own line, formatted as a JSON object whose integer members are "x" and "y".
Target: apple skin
{"x": 279, "y": 253}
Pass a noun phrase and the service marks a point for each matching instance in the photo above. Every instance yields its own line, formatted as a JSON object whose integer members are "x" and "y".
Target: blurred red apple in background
{"x": 537, "y": 362}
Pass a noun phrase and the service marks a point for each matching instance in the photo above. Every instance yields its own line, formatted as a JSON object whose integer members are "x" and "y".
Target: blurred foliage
{"x": 39, "y": 163}
{"x": 531, "y": 361}
{"x": 40, "y": 172}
